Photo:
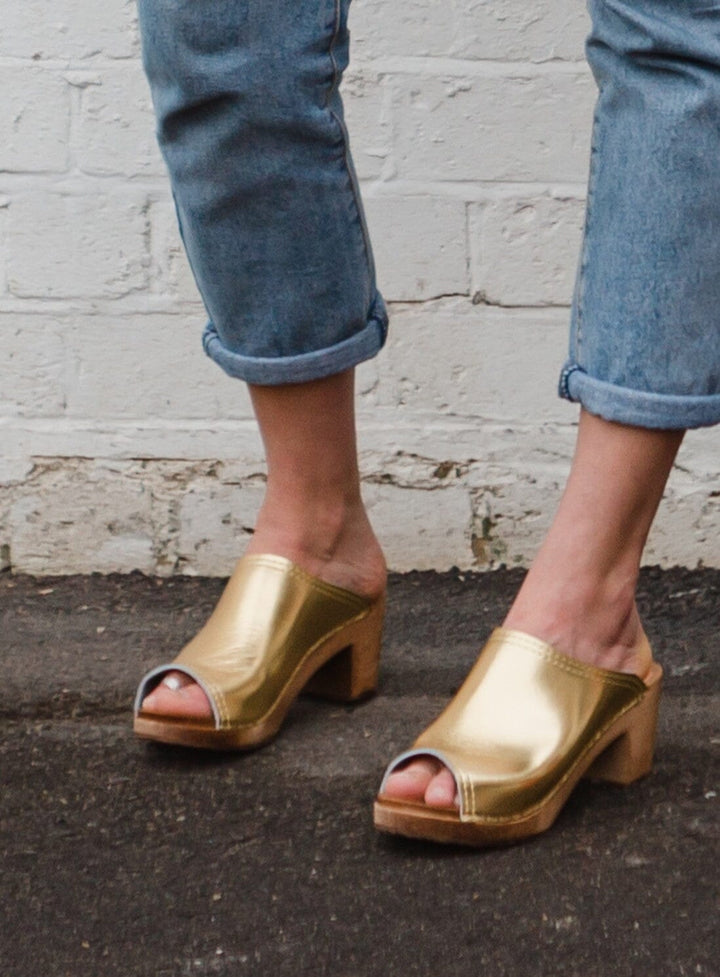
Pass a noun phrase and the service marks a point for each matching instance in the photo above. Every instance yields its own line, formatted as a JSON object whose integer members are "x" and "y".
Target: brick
{"x": 367, "y": 115}
{"x": 699, "y": 453}
{"x": 496, "y": 30}
{"x": 170, "y": 272}
{"x": 686, "y": 524}
{"x": 216, "y": 521}
{"x": 33, "y": 377}
{"x": 34, "y": 120}
{"x": 420, "y": 246}
{"x": 522, "y": 128}
{"x": 83, "y": 517}
{"x": 147, "y": 366}
{"x": 66, "y": 29}
{"x": 462, "y": 360}
{"x": 4, "y": 207}
{"x": 464, "y": 444}
{"x": 472, "y": 501}
{"x": 434, "y": 532}
{"x": 512, "y": 30}
{"x": 512, "y": 514}
{"x": 63, "y": 246}
{"x": 115, "y": 133}
{"x": 417, "y": 28}
{"x": 527, "y": 250}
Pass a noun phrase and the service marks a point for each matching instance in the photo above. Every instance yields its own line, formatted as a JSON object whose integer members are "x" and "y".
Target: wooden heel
{"x": 630, "y": 756}
{"x": 352, "y": 673}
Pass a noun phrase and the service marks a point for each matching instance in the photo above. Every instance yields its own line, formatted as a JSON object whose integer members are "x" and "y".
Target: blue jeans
{"x": 250, "y": 122}
{"x": 645, "y": 334}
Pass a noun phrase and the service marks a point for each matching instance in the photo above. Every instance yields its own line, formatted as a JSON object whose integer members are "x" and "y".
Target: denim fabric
{"x": 250, "y": 123}
{"x": 645, "y": 335}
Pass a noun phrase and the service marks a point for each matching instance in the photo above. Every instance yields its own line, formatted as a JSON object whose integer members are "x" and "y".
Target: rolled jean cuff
{"x": 304, "y": 367}
{"x": 637, "y": 408}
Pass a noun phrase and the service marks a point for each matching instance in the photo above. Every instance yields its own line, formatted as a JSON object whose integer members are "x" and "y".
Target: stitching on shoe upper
{"x": 293, "y": 570}
{"x": 571, "y": 665}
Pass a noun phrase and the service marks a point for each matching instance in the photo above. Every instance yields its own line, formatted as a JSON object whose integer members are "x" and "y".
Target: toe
{"x": 411, "y": 782}
{"x": 442, "y": 790}
{"x": 178, "y": 696}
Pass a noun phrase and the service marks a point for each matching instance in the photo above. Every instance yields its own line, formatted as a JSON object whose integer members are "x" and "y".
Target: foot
{"x": 177, "y": 695}
{"x": 426, "y": 780}
{"x": 354, "y": 562}
{"x": 579, "y": 595}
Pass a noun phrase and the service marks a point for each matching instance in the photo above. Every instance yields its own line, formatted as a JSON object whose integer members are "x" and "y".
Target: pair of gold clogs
{"x": 526, "y": 726}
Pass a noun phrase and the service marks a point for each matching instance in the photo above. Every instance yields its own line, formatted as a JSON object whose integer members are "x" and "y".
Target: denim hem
{"x": 275, "y": 370}
{"x": 638, "y": 408}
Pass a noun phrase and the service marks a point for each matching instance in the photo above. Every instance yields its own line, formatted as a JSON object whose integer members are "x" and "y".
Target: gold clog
{"x": 275, "y": 631}
{"x": 527, "y": 724}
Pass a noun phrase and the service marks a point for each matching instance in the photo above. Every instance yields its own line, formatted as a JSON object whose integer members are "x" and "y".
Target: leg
{"x": 645, "y": 333}
{"x": 251, "y": 126}
{"x": 250, "y": 123}
{"x": 579, "y": 594}
{"x": 312, "y": 514}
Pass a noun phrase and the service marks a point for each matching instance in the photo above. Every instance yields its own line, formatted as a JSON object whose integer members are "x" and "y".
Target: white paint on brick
{"x": 4, "y": 205}
{"x": 366, "y": 99}
{"x": 460, "y": 498}
{"x": 526, "y": 249}
{"x": 66, "y": 246}
{"x": 33, "y": 380}
{"x": 170, "y": 274}
{"x": 69, "y": 29}
{"x": 473, "y": 361}
{"x": 438, "y": 522}
{"x": 514, "y": 30}
{"x": 420, "y": 246}
{"x": 691, "y": 510}
{"x": 502, "y": 30}
{"x": 526, "y": 127}
{"x": 35, "y": 131}
{"x": 114, "y": 134}
{"x": 101, "y": 348}
{"x": 123, "y": 447}
{"x": 215, "y": 520}
{"x": 92, "y": 516}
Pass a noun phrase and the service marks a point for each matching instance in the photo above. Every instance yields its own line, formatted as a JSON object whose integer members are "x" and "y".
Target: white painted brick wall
{"x": 72, "y": 246}
{"x": 123, "y": 447}
{"x": 36, "y": 131}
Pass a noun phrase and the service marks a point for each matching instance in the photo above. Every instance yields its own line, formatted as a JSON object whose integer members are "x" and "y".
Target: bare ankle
{"x": 332, "y": 541}
{"x": 595, "y": 623}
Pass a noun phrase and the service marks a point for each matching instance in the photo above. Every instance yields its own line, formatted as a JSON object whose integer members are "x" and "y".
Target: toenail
{"x": 173, "y": 683}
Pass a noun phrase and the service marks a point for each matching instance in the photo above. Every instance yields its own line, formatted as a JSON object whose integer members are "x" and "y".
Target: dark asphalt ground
{"x": 124, "y": 858}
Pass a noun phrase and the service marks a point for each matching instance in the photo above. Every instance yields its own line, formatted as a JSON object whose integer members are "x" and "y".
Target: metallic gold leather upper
{"x": 520, "y": 722}
{"x": 270, "y": 617}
